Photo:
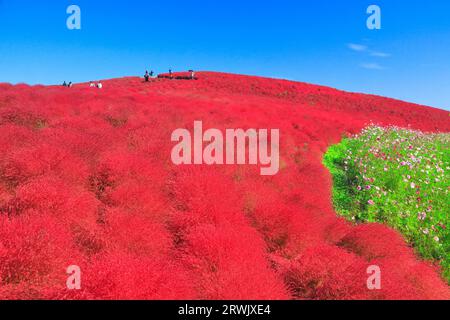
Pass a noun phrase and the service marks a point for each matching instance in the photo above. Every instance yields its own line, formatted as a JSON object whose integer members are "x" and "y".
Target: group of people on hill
{"x": 91, "y": 84}
{"x": 147, "y": 77}
{"x": 95, "y": 85}
{"x": 150, "y": 75}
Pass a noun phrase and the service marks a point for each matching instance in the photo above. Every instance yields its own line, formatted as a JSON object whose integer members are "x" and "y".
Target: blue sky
{"x": 322, "y": 41}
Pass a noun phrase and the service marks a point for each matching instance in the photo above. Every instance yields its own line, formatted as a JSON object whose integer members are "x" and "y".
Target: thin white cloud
{"x": 372, "y": 66}
{"x": 363, "y": 48}
{"x": 379, "y": 54}
{"x": 367, "y": 51}
{"x": 357, "y": 47}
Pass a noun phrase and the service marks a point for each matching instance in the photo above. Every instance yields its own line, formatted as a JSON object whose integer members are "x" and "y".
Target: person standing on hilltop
{"x": 170, "y": 73}
{"x": 146, "y": 76}
{"x": 192, "y": 74}
{"x": 100, "y": 85}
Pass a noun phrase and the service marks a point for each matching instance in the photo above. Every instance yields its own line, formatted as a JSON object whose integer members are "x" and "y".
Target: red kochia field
{"x": 86, "y": 179}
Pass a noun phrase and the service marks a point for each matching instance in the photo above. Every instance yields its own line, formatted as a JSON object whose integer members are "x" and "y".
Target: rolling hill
{"x": 86, "y": 179}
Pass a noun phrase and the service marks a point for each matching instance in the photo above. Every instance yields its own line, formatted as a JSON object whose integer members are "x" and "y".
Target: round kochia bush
{"x": 398, "y": 177}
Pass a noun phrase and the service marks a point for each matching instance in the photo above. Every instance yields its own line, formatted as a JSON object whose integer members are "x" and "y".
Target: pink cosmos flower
{"x": 421, "y": 216}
